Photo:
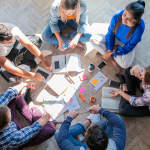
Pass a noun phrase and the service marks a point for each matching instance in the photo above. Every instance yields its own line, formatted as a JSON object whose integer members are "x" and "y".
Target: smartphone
{"x": 114, "y": 84}
{"x": 101, "y": 65}
{"x": 56, "y": 63}
{"x": 44, "y": 74}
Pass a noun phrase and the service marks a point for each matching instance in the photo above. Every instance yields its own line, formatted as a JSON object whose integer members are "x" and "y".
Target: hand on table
{"x": 38, "y": 77}
{"x": 115, "y": 93}
{"x": 47, "y": 65}
{"x": 94, "y": 109}
{"x": 73, "y": 114}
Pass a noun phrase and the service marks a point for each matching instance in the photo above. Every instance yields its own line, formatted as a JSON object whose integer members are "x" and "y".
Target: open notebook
{"x": 111, "y": 104}
{"x": 73, "y": 63}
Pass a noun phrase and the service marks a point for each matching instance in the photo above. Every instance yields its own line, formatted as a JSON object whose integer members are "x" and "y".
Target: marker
{"x": 65, "y": 59}
{"x": 79, "y": 73}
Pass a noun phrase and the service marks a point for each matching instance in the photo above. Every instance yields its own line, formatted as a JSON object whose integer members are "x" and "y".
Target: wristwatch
{"x": 112, "y": 55}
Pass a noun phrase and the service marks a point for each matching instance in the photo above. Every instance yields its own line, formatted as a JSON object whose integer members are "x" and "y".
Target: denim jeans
{"x": 75, "y": 130}
{"x": 50, "y": 37}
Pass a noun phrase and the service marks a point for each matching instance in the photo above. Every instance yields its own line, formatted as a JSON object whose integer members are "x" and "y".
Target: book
{"x": 67, "y": 63}
{"x": 97, "y": 81}
{"x": 111, "y": 104}
{"x": 45, "y": 73}
{"x": 56, "y": 109}
{"x": 58, "y": 83}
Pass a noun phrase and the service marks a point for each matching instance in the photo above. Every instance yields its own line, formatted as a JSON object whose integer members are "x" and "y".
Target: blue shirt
{"x": 117, "y": 142}
{"x": 10, "y": 137}
{"x": 122, "y": 31}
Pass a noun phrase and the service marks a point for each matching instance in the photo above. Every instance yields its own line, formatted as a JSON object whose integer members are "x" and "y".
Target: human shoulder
{"x": 141, "y": 26}
{"x": 83, "y": 5}
{"x": 111, "y": 145}
{"x": 56, "y": 4}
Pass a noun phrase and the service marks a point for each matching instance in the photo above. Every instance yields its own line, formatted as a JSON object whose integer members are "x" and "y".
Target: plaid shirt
{"x": 144, "y": 100}
{"x": 10, "y": 137}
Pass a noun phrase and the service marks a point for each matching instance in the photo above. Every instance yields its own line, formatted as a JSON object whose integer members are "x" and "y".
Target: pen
{"x": 68, "y": 79}
{"x": 84, "y": 112}
{"x": 92, "y": 85}
{"x": 65, "y": 59}
{"x": 79, "y": 73}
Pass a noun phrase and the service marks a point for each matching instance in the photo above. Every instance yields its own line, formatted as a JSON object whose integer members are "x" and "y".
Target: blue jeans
{"x": 50, "y": 37}
{"x": 75, "y": 130}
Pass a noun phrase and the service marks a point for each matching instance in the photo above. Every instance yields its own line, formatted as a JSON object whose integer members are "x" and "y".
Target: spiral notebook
{"x": 97, "y": 81}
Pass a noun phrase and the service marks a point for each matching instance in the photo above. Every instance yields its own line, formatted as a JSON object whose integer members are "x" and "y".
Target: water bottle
{"x": 64, "y": 46}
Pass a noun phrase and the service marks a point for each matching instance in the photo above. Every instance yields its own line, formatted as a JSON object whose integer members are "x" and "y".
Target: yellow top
{"x": 70, "y": 17}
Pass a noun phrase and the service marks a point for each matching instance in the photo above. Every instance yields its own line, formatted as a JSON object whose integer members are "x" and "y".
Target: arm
{"x": 119, "y": 130}
{"x": 25, "y": 134}
{"x": 6, "y": 63}
{"x": 129, "y": 46}
{"x": 83, "y": 22}
{"x": 12, "y": 92}
{"x": 35, "y": 51}
{"x": 62, "y": 140}
{"x": 110, "y": 37}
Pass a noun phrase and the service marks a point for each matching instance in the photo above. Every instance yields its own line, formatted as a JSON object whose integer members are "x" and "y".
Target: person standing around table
{"x": 15, "y": 136}
{"x": 126, "y": 29}
{"x": 12, "y": 43}
{"x": 65, "y": 13}
{"x": 131, "y": 105}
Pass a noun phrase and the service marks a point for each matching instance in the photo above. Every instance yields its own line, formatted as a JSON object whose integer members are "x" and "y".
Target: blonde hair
{"x": 70, "y": 4}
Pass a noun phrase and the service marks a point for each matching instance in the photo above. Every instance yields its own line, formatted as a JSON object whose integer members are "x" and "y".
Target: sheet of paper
{"x": 45, "y": 73}
{"x": 81, "y": 90}
{"x": 69, "y": 94}
{"x": 61, "y": 59}
{"x": 58, "y": 83}
{"x": 55, "y": 109}
{"x": 73, "y": 62}
{"x": 101, "y": 80}
{"x": 44, "y": 95}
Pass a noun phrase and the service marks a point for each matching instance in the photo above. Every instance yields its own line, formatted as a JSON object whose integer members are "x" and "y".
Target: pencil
{"x": 70, "y": 78}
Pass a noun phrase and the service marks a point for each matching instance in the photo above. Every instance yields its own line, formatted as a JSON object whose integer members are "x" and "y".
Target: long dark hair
{"x": 137, "y": 10}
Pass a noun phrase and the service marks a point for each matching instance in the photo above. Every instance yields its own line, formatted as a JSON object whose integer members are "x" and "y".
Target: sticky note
{"x": 84, "y": 77}
{"x": 94, "y": 81}
{"x": 81, "y": 90}
{"x": 71, "y": 99}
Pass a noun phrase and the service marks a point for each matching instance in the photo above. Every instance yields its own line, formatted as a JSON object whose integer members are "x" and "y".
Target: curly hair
{"x": 5, "y": 33}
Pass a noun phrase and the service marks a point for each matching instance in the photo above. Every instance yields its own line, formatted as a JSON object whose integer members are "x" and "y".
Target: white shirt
{"x": 17, "y": 35}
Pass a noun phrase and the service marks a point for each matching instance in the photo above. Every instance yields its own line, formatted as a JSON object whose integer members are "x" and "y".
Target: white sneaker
{"x": 95, "y": 118}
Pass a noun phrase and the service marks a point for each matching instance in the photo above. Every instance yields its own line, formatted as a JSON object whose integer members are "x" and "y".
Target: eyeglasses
{"x": 69, "y": 12}
{"x": 129, "y": 19}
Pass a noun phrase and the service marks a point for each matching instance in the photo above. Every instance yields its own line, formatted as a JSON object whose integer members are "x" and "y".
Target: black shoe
{"x": 27, "y": 96}
{"x": 28, "y": 66}
{"x": 121, "y": 77}
{"x": 11, "y": 78}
